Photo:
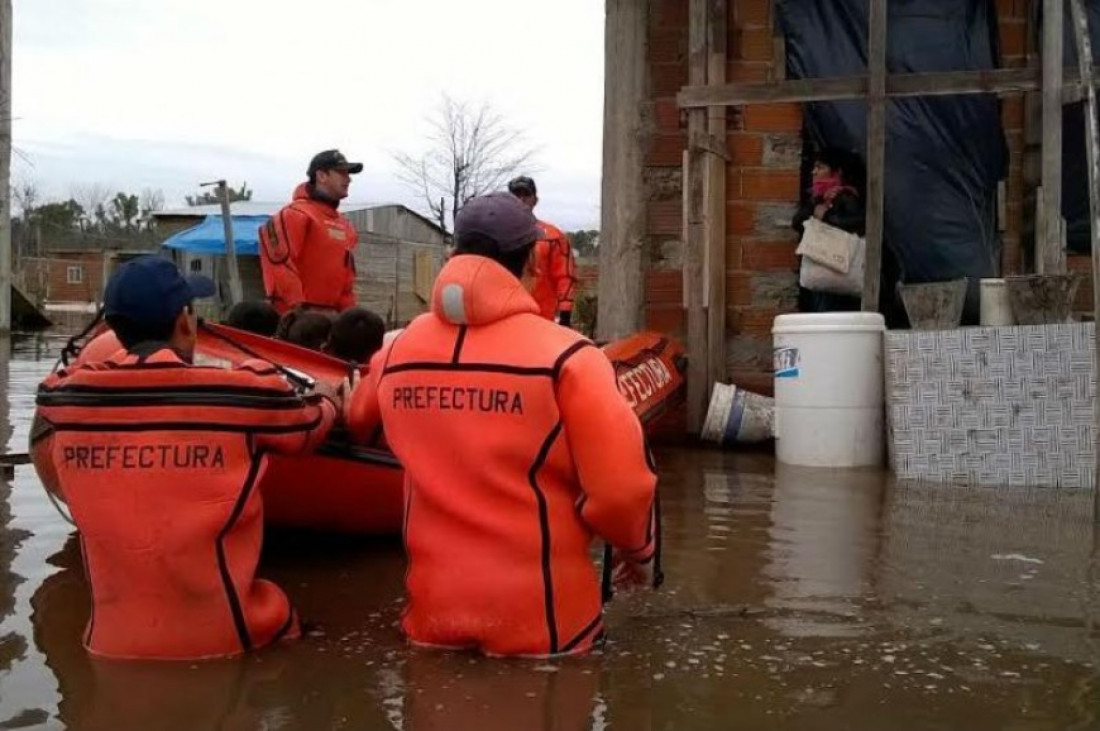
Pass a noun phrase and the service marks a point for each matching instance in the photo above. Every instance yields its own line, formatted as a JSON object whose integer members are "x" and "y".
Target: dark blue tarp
{"x": 944, "y": 155}
{"x": 208, "y": 237}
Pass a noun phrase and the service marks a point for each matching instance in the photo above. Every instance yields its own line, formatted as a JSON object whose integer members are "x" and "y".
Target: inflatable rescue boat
{"x": 352, "y": 489}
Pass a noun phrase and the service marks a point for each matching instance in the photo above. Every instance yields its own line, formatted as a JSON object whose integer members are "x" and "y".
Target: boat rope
{"x": 304, "y": 383}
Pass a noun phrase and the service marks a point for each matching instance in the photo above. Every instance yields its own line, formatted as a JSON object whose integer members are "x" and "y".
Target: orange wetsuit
{"x": 556, "y": 272}
{"x": 158, "y": 462}
{"x": 307, "y": 254}
{"x": 518, "y": 448}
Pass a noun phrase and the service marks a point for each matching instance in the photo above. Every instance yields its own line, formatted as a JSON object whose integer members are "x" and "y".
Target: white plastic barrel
{"x": 829, "y": 389}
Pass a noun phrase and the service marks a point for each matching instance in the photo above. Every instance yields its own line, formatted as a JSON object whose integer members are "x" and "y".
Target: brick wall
{"x": 47, "y": 279}
{"x": 762, "y": 180}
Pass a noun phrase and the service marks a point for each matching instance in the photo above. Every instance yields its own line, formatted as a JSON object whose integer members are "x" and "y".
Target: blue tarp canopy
{"x": 208, "y": 237}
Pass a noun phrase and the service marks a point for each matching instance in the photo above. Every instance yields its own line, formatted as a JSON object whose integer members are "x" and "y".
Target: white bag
{"x": 832, "y": 259}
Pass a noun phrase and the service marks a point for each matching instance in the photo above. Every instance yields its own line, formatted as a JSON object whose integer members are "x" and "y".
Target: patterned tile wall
{"x": 1009, "y": 406}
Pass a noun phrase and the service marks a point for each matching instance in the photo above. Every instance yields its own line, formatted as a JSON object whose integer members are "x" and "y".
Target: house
{"x": 706, "y": 82}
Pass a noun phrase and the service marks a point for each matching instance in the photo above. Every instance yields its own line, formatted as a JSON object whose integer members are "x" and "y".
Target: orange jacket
{"x": 307, "y": 254}
{"x": 518, "y": 449}
{"x": 158, "y": 462}
{"x": 556, "y": 272}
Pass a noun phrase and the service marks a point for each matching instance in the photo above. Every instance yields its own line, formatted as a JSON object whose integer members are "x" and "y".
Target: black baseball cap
{"x": 151, "y": 291}
{"x": 499, "y": 217}
{"x": 522, "y": 185}
{"x": 332, "y": 160}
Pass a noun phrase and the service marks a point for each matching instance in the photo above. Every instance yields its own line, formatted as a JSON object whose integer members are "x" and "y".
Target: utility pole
{"x": 5, "y": 164}
{"x": 236, "y": 294}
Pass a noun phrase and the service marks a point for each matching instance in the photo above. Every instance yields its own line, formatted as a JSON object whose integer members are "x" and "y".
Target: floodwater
{"x": 800, "y": 599}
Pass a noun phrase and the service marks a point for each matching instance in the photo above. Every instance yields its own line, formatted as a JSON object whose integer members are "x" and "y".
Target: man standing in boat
{"x": 555, "y": 268}
{"x": 518, "y": 448}
{"x": 307, "y": 250}
{"x": 158, "y": 461}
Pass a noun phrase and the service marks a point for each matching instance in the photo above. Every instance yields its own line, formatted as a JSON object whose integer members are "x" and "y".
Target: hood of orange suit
{"x": 473, "y": 290}
{"x": 306, "y": 192}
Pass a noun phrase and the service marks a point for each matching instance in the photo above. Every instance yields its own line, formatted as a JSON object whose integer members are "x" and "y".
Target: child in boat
{"x": 356, "y": 335}
{"x": 157, "y": 461}
{"x": 518, "y": 450}
{"x": 307, "y": 328}
{"x": 255, "y": 316}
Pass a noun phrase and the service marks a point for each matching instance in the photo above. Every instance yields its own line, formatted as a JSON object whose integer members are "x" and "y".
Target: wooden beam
{"x": 695, "y": 238}
{"x": 1092, "y": 144}
{"x": 715, "y": 261}
{"x": 939, "y": 83}
{"x": 6, "y": 109}
{"x": 876, "y": 151}
{"x": 621, "y": 286}
{"x": 1050, "y": 255}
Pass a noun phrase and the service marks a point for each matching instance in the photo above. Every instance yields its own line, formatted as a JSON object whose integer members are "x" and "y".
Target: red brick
{"x": 1013, "y": 34}
{"x": 669, "y": 13}
{"x": 667, "y": 45}
{"x": 772, "y": 118}
{"x": 747, "y": 72}
{"x": 665, "y": 319}
{"x": 733, "y": 252}
{"x": 741, "y": 218}
{"x": 769, "y": 255}
{"x": 666, "y": 79}
{"x": 738, "y": 289}
{"x": 754, "y": 321}
{"x": 751, "y": 12}
{"x": 667, "y": 114}
{"x": 769, "y": 185}
{"x": 58, "y": 288}
{"x": 666, "y": 150}
{"x": 1012, "y": 10}
{"x": 664, "y": 287}
{"x": 1012, "y": 112}
{"x": 745, "y": 149}
{"x": 665, "y": 218}
{"x": 754, "y": 44}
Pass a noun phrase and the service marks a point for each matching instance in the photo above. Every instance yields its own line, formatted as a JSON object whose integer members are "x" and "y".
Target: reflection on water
{"x": 801, "y": 599}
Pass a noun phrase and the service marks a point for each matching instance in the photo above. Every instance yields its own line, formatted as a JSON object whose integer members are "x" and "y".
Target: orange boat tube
{"x": 348, "y": 489}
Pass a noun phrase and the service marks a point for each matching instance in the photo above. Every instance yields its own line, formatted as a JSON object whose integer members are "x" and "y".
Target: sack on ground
{"x": 832, "y": 259}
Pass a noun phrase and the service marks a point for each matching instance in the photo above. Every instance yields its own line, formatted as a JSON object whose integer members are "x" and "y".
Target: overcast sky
{"x": 165, "y": 94}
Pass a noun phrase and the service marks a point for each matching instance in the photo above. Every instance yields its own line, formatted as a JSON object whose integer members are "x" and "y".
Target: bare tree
{"x": 93, "y": 199}
{"x": 471, "y": 151}
{"x": 151, "y": 201}
{"x": 25, "y": 195}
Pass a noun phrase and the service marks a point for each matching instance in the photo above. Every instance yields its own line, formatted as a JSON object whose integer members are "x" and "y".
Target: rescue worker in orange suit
{"x": 158, "y": 461}
{"x": 555, "y": 267}
{"x": 307, "y": 249}
{"x": 518, "y": 451}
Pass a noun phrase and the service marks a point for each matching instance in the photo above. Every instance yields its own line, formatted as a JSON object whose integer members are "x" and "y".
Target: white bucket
{"x": 829, "y": 389}
{"x": 738, "y": 416}
{"x": 996, "y": 307}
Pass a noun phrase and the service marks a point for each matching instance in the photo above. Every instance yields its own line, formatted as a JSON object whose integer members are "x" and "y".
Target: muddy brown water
{"x": 800, "y": 599}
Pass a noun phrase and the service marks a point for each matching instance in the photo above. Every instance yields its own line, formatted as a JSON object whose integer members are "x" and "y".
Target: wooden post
{"x": 5, "y": 164}
{"x": 1092, "y": 145}
{"x": 876, "y": 152}
{"x": 621, "y": 286}
{"x": 715, "y": 193}
{"x": 695, "y": 233}
{"x": 1050, "y": 256}
{"x": 236, "y": 291}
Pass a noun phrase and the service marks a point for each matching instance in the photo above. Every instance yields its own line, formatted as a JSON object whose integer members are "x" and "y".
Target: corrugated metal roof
{"x": 252, "y": 208}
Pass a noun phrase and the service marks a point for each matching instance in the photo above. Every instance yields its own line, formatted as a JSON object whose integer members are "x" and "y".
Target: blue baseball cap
{"x": 151, "y": 291}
